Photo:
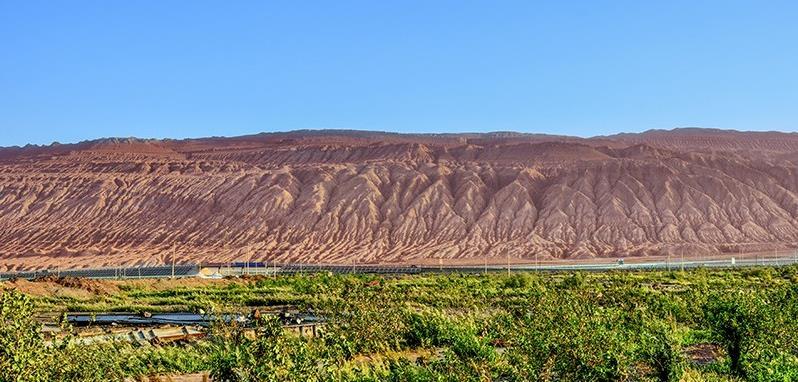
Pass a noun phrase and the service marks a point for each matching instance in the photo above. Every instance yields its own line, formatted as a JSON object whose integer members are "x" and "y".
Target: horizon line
{"x": 397, "y": 133}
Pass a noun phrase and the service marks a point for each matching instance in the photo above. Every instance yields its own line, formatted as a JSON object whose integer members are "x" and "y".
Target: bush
{"x": 99, "y": 362}
{"x": 22, "y": 353}
{"x": 564, "y": 337}
{"x": 428, "y": 328}
{"x": 268, "y": 355}
{"x": 662, "y": 349}
{"x": 758, "y": 332}
{"x": 365, "y": 320}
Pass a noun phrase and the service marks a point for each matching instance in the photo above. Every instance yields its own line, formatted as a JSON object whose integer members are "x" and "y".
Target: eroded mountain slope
{"x": 343, "y": 197}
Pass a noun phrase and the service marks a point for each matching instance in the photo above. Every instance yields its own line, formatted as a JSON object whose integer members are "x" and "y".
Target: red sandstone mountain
{"x": 347, "y": 196}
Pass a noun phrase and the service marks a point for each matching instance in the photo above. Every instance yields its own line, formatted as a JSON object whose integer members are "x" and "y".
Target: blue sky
{"x": 75, "y": 70}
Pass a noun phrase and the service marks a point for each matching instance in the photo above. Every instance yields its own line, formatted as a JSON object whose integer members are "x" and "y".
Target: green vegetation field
{"x": 700, "y": 325}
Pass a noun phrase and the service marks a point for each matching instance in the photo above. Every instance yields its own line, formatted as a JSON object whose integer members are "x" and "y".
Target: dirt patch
{"x": 82, "y": 288}
{"x": 62, "y": 286}
{"x": 197, "y": 377}
{"x": 704, "y": 353}
{"x": 168, "y": 284}
{"x": 98, "y": 287}
{"x": 28, "y": 287}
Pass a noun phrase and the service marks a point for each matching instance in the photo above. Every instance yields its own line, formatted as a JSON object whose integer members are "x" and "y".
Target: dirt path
{"x": 196, "y": 377}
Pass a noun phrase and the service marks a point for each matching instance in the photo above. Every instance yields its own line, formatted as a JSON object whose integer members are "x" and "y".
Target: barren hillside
{"x": 344, "y": 196}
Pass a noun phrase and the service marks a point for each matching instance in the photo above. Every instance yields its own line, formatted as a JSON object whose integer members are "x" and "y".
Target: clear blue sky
{"x": 74, "y": 70}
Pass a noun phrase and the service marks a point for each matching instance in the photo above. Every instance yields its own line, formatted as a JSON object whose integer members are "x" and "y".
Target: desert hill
{"x": 350, "y": 196}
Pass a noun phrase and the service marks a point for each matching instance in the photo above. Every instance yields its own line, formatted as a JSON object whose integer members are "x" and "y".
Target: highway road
{"x": 219, "y": 271}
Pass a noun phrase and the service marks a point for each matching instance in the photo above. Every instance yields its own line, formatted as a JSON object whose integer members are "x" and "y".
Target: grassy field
{"x": 700, "y": 325}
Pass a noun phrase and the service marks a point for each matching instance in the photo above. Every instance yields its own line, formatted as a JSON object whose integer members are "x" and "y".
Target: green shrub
{"x": 428, "y": 328}
{"x": 757, "y": 329}
{"x": 98, "y": 362}
{"x": 22, "y": 353}
{"x": 269, "y": 355}
{"x": 661, "y": 348}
